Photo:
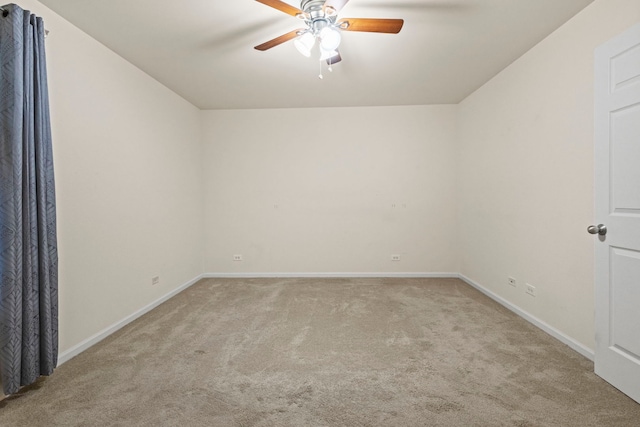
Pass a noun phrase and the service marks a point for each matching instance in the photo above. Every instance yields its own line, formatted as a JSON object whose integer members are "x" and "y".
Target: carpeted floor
{"x": 325, "y": 352}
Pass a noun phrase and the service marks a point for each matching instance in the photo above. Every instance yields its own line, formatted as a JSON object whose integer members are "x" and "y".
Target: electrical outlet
{"x": 512, "y": 281}
{"x": 531, "y": 290}
{"x": 155, "y": 280}
{"x": 395, "y": 257}
{"x": 237, "y": 257}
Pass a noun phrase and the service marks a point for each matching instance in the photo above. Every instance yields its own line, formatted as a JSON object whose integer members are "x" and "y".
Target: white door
{"x": 617, "y": 186}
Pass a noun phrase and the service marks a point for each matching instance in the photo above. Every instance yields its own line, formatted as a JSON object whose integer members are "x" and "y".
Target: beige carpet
{"x": 325, "y": 352}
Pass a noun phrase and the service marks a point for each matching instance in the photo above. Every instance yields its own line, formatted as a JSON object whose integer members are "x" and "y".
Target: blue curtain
{"x": 28, "y": 247}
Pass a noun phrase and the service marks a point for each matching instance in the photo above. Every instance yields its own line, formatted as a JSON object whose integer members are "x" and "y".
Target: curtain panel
{"x": 28, "y": 242}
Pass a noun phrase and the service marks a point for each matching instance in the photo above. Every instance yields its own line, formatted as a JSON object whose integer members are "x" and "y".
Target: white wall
{"x": 526, "y": 173}
{"x": 129, "y": 186}
{"x": 312, "y": 190}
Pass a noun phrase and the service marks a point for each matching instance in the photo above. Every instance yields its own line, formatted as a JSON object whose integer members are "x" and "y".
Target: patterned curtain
{"x": 28, "y": 248}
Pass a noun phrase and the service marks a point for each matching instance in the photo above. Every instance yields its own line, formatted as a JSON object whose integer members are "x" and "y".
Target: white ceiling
{"x": 203, "y": 49}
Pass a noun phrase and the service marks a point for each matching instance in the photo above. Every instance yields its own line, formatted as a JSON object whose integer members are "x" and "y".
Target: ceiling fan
{"x": 323, "y": 25}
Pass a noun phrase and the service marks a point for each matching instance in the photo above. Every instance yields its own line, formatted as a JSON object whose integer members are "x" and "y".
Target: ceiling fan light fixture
{"x": 305, "y": 43}
{"x": 321, "y": 21}
{"x": 329, "y": 38}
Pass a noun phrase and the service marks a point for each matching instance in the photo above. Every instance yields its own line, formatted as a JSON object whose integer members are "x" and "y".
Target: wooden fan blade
{"x": 282, "y": 7}
{"x": 371, "y": 25}
{"x": 279, "y": 40}
{"x": 335, "y": 5}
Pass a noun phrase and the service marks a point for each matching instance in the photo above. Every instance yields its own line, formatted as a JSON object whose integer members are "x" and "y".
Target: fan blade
{"x": 332, "y": 7}
{"x": 279, "y": 40}
{"x": 334, "y": 59}
{"x": 371, "y": 25}
{"x": 282, "y": 7}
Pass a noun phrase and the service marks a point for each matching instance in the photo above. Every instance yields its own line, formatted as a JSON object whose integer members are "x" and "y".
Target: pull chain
{"x": 320, "y": 76}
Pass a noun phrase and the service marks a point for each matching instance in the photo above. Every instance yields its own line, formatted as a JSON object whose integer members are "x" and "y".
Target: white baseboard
{"x": 327, "y": 275}
{"x": 79, "y": 348}
{"x": 82, "y": 346}
{"x": 575, "y": 345}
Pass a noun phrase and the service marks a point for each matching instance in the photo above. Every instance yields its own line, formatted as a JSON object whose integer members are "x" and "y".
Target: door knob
{"x": 597, "y": 229}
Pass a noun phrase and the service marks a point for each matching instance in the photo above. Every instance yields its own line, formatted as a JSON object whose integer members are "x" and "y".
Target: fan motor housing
{"x": 316, "y": 17}
{"x": 311, "y": 5}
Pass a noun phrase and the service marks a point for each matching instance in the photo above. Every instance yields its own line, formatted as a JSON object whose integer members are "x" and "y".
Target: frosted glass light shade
{"x": 304, "y": 43}
{"x": 330, "y": 38}
{"x": 326, "y": 54}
